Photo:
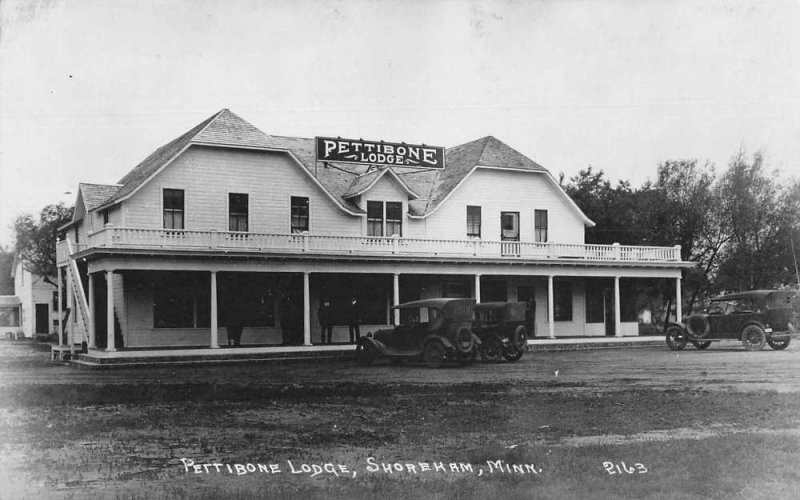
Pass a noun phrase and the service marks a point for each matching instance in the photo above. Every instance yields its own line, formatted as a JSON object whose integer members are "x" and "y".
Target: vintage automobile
{"x": 756, "y": 318}
{"x": 501, "y": 328}
{"x": 435, "y": 331}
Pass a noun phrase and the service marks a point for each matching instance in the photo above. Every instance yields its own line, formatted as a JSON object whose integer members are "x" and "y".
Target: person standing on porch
{"x": 353, "y": 321}
{"x": 326, "y": 321}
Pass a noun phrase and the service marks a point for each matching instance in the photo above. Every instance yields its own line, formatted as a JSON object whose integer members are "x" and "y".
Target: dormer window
{"x": 384, "y": 218}
{"x": 237, "y": 212}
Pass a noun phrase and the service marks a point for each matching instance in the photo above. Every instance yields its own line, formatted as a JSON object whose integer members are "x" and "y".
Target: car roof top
{"x": 438, "y": 303}
{"x": 758, "y": 294}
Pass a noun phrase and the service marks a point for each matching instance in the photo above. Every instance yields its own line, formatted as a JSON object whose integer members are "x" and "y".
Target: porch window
{"x": 237, "y": 212}
{"x": 540, "y": 226}
{"x": 394, "y": 218}
{"x": 299, "y": 214}
{"x": 173, "y": 209}
{"x": 374, "y": 218}
{"x": 181, "y": 302}
{"x": 595, "y": 303}
{"x": 562, "y": 300}
{"x": 9, "y": 316}
{"x": 473, "y": 221}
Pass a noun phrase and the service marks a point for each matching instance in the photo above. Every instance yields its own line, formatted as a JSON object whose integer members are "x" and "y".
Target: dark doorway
{"x": 42, "y": 318}
{"x": 608, "y": 299}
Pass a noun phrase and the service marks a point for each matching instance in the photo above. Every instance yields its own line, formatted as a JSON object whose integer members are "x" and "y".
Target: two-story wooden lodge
{"x": 226, "y": 223}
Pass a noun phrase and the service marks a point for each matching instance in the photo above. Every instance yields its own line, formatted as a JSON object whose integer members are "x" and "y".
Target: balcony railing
{"x": 168, "y": 239}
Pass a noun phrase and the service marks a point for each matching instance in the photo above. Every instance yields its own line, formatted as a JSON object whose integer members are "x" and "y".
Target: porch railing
{"x": 304, "y": 243}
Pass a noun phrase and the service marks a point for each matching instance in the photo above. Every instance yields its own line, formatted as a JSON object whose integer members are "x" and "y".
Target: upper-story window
{"x": 384, "y": 218}
{"x": 509, "y": 226}
{"x": 374, "y": 218}
{"x": 173, "y": 209}
{"x": 540, "y": 226}
{"x": 299, "y": 214}
{"x": 473, "y": 221}
{"x": 394, "y": 218}
{"x": 105, "y": 217}
{"x": 237, "y": 211}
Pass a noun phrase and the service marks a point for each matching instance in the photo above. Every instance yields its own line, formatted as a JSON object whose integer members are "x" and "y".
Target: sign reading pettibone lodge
{"x": 379, "y": 153}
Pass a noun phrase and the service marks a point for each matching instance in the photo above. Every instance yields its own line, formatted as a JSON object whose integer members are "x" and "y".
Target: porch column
{"x": 60, "y": 311}
{"x": 551, "y": 327}
{"x": 306, "y": 310}
{"x": 678, "y": 306}
{"x": 71, "y": 309}
{"x": 214, "y": 332}
{"x": 477, "y": 288}
{"x": 92, "y": 329}
{"x": 617, "y": 322}
{"x": 110, "y": 311}
{"x": 396, "y": 297}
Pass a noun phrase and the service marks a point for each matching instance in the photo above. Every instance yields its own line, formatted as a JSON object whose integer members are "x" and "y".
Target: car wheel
{"x": 434, "y": 354}
{"x": 753, "y": 338}
{"x": 469, "y": 358}
{"x": 520, "y": 338}
{"x": 513, "y": 355}
{"x": 676, "y": 338}
{"x": 779, "y": 344}
{"x": 701, "y": 345}
{"x": 491, "y": 349}
{"x": 364, "y": 355}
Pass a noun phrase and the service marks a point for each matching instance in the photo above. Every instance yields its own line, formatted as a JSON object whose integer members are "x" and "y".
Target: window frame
{"x": 173, "y": 211}
{"x": 513, "y": 213}
{"x": 371, "y": 221}
{"x": 538, "y": 229}
{"x": 246, "y": 213}
{"x": 398, "y": 205}
{"x": 299, "y": 230}
{"x": 471, "y": 224}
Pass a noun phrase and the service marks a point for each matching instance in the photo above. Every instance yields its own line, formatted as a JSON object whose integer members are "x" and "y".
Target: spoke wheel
{"x": 513, "y": 355}
{"x": 676, "y": 338}
{"x": 491, "y": 349}
{"x": 779, "y": 344}
{"x": 753, "y": 338}
{"x": 701, "y": 345}
{"x": 434, "y": 354}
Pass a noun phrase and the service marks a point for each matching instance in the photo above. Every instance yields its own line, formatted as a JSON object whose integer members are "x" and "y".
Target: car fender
{"x": 375, "y": 344}
{"x": 440, "y": 338}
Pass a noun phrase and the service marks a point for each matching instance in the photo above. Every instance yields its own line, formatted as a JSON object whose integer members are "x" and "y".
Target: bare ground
{"x": 722, "y": 423}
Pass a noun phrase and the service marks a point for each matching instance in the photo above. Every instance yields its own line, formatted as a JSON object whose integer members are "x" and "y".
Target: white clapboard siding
{"x": 207, "y": 175}
{"x": 498, "y": 191}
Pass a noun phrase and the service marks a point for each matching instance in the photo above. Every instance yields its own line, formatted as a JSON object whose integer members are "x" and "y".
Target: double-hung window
{"x": 473, "y": 221}
{"x": 374, "y": 218}
{"x": 384, "y": 218}
{"x": 394, "y": 218}
{"x": 299, "y": 214}
{"x": 237, "y": 212}
{"x": 540, "y": 226}
{"x": 173, "y": 209}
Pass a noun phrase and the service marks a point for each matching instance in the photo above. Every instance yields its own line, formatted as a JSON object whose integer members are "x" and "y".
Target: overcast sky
{"x": 89, "y": 88}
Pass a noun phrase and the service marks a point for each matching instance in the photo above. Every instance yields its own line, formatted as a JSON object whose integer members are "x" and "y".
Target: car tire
{"x": 520, "y": 338}
{"x": 701, "y": 345}
{"x": 779, "y": 344}
{"x": 434, "y": 354}
{"x": 514, "y": 355}
{"x": 464, "y": 342}
{"x": 753, "y": 338}
{"x": 491, "y": 349}
{"x": 364, "y": 354}
{"x": 676, "y": 338}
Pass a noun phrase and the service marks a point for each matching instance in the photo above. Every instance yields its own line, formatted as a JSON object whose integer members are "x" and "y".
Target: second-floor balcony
{"x": 165, "y": 240}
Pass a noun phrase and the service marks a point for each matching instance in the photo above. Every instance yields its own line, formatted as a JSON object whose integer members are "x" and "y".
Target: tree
{"x": 6, "y": 264}
{"x": 36, "y": 239}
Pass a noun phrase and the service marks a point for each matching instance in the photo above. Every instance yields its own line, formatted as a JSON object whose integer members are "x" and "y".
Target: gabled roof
{"x": 364, "y": 182}
{"x": 427, "y": 189}
{"x": 95, "y": 195}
